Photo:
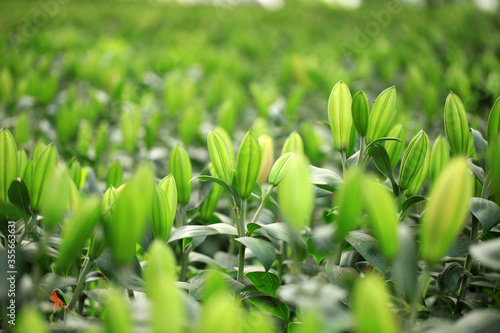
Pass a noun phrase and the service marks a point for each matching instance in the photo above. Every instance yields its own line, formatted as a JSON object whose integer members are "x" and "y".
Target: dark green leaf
{"x": 482, "y": 321}
{"x": 369, "y": 248}
{"x": 265, "y": 282}
{"x": 411, "y": 201}
{"x": 382, "y": 161}
{"x": 224, "y": 185}
{"x": 263, "y": 249}
{"x": 19, "y": 196}
{"x": 379, "y": 140}
{"x": 487, "y": 212}
{"x": 450, "y": 277}
{"x": 267, "y": 303}
{"x": 461, "y": 246}
{"x": 196, "y": 287}
{"x": 481, "y": 147}
{"x": 324, "y": 179}
{"x": 488, "y": 253}
{"x": 190, "y": 231}
{"x": 476, "y": 170}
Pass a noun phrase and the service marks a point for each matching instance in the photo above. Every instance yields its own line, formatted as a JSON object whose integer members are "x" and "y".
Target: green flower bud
{"x": 229, "y": 143}
{"x": 180, "y": 167}
{"x": 415, "y": 163}
{"x": 370, "y": 306}
{"x": 382, "y": 115}
{"x": 115, "y": 175}
{"x": 493, "y": 128}
{"x": 267, "y": 153}
{"x": 360, "y": 112}
{"x": 293, "y": 144}
{"x": 447, "y": 210}
{"x": 161, "y": 215}
{"x": 247, "y": 165}
{"x": 168, "y": 185}
{"x": 340, "y": 115}
{"x": 97, "y": 244}
{"x": 394, "y": 148}
{"x": 108, "y": 199}
{"x": 280, "y": 168}
{"x": 296, "y": 194}
{"x": 220, "y": 156}
{"x": 43, "y": 166}
{"x": 75, "y": 172}
{"x": 8, "y": 163}
{"x": 55, "y": 197}
{"x": 22, "y": 162}
{"x": 209, "y": 205}
{"x": 440, "y": 155}
{"x": 455, "y": 125}
{"x": 129, "y": 215}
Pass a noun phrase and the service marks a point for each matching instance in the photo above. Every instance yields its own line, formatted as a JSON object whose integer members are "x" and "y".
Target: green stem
{"x": 338, "y": 254}
{"x": 241, "y": 233}
{"x": 343, "y": 160}
{"x": 181, "y": 220}
{"x": 87, "y": 264}
{"x": 262, "y": 203}
{"x": 361, "y": 150}
{"x": 418, "y": 297}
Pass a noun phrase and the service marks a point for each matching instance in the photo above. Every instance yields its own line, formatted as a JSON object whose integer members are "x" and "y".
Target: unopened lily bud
{"x": 394, "y": 148}
{"x": 440, "y": 156}
{"x": 493, "y": 128}
{"x": 267, "y": 154}
{"x": 161, "y": 216}
{"x": 279, "y": 169}
{"x": 415, "y": 163}
{"x": 180, "y": 167}
{"x": 220, "y": 156}
{"x": 441, "y": 226}
{"x": 382, "y": 115}
{"x": 340, "y": 115}
{"x": 43, "y": 166}
{"x": 360, "y": 112}
{"x": 456, "y": 125}
{"x": 247, "y": 165}
{"x": 293, "y": 144}
{"x": 8, "y": 163}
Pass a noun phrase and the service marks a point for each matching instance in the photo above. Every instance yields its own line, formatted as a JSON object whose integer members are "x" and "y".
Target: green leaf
{"x": 318, "y": 248}
{"x": 265, "y": 282}
{"x": 8, "y": 163}
{"x": 380, "y": 140}
{"x": 369, "y": 248}
{"x": 224, "y": 185}
{"x": 460, "y": 247}
{"x": 493, "y": 128}
{"x": 479, "y": 321}
{"x": 343, "y": 277}
{"x": 488, "y": 253}
{"x": 268, "y": 303}
{"x": 404, "y": 267}
{"x": 197, "y": 285}
{"x": 280, "y": 231}
{"x": 190, "y": 231}
{"x": 115, "y": 175}
{"x": 325, "y": 179}
{"x": 19, "y": 196}
{"x": 476, "y": 170}
{"x": 382, "y": 161}
{"x": 487, "y": 212}
{"x": 481, "y": 147}
{"x": 263, "y": 249}
{"x": 382, "y": 115}
{"x": 410, "y": 202}
{"x": 451, "y": 277}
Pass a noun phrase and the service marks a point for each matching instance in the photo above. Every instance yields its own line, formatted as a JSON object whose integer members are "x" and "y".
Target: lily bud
{"x": 161, "y": 216}
{"x": 340, "y": 115}
{"x": 247, "y": 165}
{"x": 440, "y": 156}
{"x": 447, "y": 210}
{"x": 493, "y": 128}
{"x": 415, "y": 163}
{"x": 168, "y": 185}
{"x": 360, "y": 112}
{"x": 267, "y": 154}
{"x": 220, "y": 156}
{"x": 180, "y": 167}
{"x": 279, "y": 169}
{"x": 115, "y": 175}
{"x": 293, "y": 144}
{"x": 43, "y": 166}
{"x": 394, "y": 148}
{"x": 8, "y": 163}
{"x": 455, "y": 125}
{"x": 382, "y": 115}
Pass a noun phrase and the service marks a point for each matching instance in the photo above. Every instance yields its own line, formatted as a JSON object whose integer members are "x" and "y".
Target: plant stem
{"x": 343, "y": 160}
{"x": 361, "y": 150}
{"x": 87, "y": 264}
{"x": 241, "y": 233}
{"x": 183, "y": 260}
{"x": 474, "y": 236}
{"x": 338, "y": 254}
{"x": 262, "y": 203}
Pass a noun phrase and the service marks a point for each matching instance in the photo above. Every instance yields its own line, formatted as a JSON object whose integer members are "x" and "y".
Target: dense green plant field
{"x": 225, "y": 168}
